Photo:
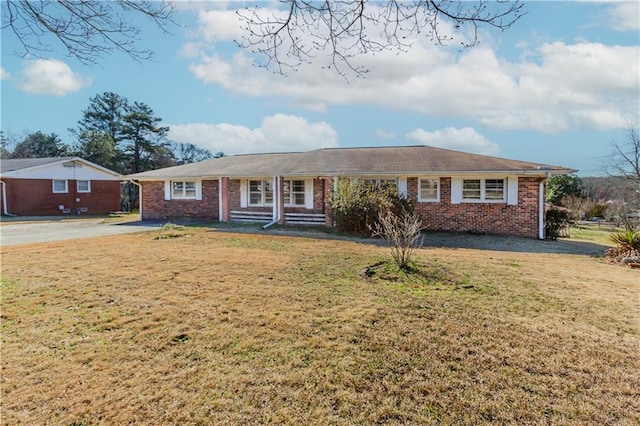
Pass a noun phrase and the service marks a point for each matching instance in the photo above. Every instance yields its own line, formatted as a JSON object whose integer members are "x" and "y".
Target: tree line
{"x": 114, "y": 133}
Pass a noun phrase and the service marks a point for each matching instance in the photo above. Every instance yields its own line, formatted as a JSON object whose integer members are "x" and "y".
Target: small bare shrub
{"x": 403, "y": 232}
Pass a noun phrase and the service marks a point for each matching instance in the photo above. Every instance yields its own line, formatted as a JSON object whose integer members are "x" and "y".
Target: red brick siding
{"x": 35, "y": 197}
{"x": 154, "y": 206}
{"x": 491, "y": 218}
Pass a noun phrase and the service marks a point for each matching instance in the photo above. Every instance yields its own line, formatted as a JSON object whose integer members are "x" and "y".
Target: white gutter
{"x": 276, "y": 203}
{"x": 4, "y": 199}
{"x": 541, "y": 210}
{"x": 219, "y": 199}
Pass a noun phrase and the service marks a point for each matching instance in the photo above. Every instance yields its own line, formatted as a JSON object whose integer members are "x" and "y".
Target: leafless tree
{"x": 626, "y": 165}
{"x": 86, "y": 28}
{"x": 403, "y": 233}
{"x": 301, "y": 30}
{"x": 626, "y": 156}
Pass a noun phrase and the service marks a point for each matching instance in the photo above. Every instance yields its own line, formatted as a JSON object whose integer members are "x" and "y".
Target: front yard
{"x": 202, "y": 327}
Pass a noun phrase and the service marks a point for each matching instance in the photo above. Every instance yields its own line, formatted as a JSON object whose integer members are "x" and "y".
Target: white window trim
{"x": 168, "y": 190}
{"x": 428, "y": 200}
{"x": 262, "y": 203}
{"x": 304, "y": 192}
{"x": 483, "y": 198}
{"x": 78, "y": 186}
{"x": 66, "y": 186}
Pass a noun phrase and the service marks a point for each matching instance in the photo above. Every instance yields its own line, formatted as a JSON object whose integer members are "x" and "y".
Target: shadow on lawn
{"x": 431, "y": 239}
{"x": 512, "y": 244}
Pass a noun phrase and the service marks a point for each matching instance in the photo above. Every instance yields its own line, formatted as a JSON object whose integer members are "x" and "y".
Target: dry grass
{"x": 214, "y": 328}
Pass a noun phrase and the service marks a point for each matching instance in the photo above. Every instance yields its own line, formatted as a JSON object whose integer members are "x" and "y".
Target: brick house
{"x": 452, "y": 190}
{"x": 57, "y": 186}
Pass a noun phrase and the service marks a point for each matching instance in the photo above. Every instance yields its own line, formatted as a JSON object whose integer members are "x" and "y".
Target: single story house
{"x": 452, "y": 190}
{"x": 57, "y": 186}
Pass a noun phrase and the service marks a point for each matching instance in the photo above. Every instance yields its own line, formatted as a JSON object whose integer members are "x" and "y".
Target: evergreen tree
{"x": 40, "y": 145}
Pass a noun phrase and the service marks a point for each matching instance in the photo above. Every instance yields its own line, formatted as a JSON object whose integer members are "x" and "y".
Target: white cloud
{"x": 50, "y": 77}
{"x": 465, "y": 139}
{"x": 4, "y": 75}
{"x": 553, "y": 88}
{"x": 277, "y": 133}
{"x": 625, "y": 16}
{"x": 219, "y": 25}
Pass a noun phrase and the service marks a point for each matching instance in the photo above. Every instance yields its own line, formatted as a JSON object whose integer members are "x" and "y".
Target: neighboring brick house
{"x": 57, "y": 186}
{"x": 453, "y": 191}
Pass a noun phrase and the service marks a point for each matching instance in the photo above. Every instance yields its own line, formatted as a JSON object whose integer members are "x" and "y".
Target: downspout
{"x": 220, "y": 199}
{"x": 541, "y": 209}
{"x": 276, "y": 203}
{"x": 140, "y": 192}
{"x": 4, "y": 199}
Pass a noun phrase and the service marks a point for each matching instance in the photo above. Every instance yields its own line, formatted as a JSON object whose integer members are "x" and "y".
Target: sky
{"x": 557, "y": 88}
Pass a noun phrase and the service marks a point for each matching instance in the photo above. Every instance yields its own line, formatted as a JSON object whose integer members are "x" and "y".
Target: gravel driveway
{"x": 39, "y": 231}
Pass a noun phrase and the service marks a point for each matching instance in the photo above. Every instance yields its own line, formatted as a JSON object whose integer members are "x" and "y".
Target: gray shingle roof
{"x": 12, "y": 164}
{"x": 380, "y": 161}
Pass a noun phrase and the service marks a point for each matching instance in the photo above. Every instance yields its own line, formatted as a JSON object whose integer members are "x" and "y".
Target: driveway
{"x": 39, "y": 231}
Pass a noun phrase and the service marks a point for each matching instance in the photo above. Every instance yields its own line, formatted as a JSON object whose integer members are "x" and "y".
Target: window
{"x": 429, "y": 190}
{"x": 380, "y": 182}
{"x": 483, "y": 190}
{"x": 260, "y": 193}
{"x": 294, "y": 193}
{"x": 494, "y": 189}
{"x": 60, "y": 187}
{"x": 84, "y": 185}
{"x": 183, "y": 189}
{"x": 471, "y": 189}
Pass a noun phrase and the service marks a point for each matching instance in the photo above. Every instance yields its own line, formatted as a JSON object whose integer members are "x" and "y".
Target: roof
{"x": 10, "y": 165}
{"x": 378, "y": 161}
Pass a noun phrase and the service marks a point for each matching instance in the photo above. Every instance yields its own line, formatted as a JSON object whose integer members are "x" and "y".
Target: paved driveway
{"x": 23, "y": 232}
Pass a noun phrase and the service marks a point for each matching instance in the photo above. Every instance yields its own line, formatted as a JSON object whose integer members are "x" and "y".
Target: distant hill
{"x": 602, "y": 189}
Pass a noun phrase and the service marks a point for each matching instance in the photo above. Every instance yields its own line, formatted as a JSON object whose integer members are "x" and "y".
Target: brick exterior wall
{"x": 35, "y": 197}
{"x": 154, "y": 206}
{"x": 491, "y": 218}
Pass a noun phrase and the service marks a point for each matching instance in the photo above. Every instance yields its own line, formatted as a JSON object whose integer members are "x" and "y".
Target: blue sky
{"x": 557, "y": 88}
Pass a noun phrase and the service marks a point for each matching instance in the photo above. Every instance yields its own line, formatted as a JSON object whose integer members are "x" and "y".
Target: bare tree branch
{"x": 627, "y": 157}
{"x": 343, "y": 29}
{"x": 88, "y": 29}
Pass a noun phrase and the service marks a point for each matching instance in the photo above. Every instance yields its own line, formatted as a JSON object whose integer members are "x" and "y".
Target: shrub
{"x": 402, "y": 232}
{"x": 627, "y": 246}
{"x": 356, "y": 205}
{"x": 627, "y": 239}
{"x": 555, "y": 221}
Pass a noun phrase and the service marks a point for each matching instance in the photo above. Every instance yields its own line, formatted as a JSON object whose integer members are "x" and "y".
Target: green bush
{"x": 555, "y": 221}
{"x": 627, "y": 239}
{"x": 356, "y": 205}
{"x": 627, "y": 245}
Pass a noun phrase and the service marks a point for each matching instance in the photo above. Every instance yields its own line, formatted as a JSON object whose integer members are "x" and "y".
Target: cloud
{"x": 4, "y": 75}
{"x": 465, "y": 139}
{"x": 552, "y": 88}
{"x": 625, "y": 16}
{"x": 50, "y": 77}
{"x": 277, "y": 133}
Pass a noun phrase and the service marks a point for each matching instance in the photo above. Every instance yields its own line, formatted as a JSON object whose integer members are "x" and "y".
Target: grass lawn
{"x": 201, "y": 327}
{"x": 598, "y": 233}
